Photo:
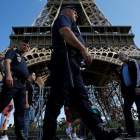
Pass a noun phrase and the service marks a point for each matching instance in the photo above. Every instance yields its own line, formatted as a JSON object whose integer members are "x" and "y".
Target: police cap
{"x": 73, "y": 7}
{"x": 26, "y": 41}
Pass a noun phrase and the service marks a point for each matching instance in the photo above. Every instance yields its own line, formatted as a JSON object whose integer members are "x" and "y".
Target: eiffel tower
{"x": 103, "y": 41}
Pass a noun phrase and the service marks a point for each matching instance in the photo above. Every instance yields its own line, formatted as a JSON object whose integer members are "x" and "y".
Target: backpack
{"x": 138, "y": 71}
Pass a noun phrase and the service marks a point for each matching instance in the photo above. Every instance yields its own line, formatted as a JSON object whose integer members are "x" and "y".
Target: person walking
{"x": 6, "y": 114}
{"x": 65, "y": 28}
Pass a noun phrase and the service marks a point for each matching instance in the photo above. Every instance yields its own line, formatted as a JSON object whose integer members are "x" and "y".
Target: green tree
{"x": 113, "y": 124}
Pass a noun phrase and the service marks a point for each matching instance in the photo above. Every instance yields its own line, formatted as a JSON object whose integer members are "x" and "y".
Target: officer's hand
{"x": 9, "y": 81}
{"x": 137, "y": 90}
{"x": 87, "y": 57}
{"x": 27, "y": 106}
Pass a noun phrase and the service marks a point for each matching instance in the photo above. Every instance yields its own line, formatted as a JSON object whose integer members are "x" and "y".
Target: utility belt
{"x": 76, "y": 55}
{"x": 72, "y": 53}
{"x": 19, "y": 80}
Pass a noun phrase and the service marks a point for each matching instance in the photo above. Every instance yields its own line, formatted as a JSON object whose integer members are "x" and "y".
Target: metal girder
{"x": 91, "y": 14}
{"x": 103, "y": 42}
{"x": 48, "y": 14}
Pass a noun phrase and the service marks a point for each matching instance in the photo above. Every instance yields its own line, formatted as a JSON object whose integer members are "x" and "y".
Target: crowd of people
{"x": 67, "y": 86}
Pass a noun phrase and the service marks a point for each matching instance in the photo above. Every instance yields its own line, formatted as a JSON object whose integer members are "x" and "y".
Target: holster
{"x": 19, "y": 80}
{"x": 75, "y": 54}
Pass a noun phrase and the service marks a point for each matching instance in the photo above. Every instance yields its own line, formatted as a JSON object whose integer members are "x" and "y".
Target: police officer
{"x": 16, "y": 74}
{"x": 65, "y": 26}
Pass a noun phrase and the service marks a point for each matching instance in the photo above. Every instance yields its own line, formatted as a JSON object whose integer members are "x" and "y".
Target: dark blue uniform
{"x": 60, "y": 82}
{"x": 18, "y": 91}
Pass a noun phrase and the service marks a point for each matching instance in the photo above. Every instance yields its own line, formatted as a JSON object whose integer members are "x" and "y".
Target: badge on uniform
{"x": 19, "y": 59}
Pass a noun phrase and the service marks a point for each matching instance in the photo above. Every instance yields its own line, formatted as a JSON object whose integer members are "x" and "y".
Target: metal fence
{"x": 46, "y": 90}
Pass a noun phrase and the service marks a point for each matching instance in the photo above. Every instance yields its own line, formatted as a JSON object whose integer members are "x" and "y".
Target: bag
{"x": 138, "y": 72}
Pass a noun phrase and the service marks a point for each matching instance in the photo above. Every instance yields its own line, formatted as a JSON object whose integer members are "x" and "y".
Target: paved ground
{"x": 66, "y": 139}
{"x": 121, "y": 139}
{"x": 115, "y": 139}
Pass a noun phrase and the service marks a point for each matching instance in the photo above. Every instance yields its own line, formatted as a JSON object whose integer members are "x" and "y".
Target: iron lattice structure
{"x": 89, "y": 13}
{"x": 103, "y": 41}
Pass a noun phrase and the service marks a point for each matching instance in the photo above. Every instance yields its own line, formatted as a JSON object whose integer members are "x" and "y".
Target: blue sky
{"x": 24, "y": 12}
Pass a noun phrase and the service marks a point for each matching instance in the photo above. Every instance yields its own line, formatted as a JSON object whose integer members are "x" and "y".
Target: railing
{"x": 41, "y": 90}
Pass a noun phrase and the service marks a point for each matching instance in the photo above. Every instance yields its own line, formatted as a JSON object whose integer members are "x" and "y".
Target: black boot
{"x": 130, "y": 137}
{"x": 19, "y": 135}
{"x": 55, "y": 138}
{"x": 115, "y": 133}
{"x": 50, "y": 138}
{"x": 104, "y": 133}
{"x": 102, "y": 130}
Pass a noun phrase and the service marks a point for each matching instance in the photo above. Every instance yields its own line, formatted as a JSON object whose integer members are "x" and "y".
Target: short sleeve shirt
{"x": 18, "y": 64}
{"x": 30, "y": 89}
{"x": 62, "y": 21}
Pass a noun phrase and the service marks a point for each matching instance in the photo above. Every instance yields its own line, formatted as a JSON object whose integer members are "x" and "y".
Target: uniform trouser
{"x": 129, "y": 99}
{"x": 60, "y": 87}
{"x": 18, "y": 94}
{"x": 83, "y": 128}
